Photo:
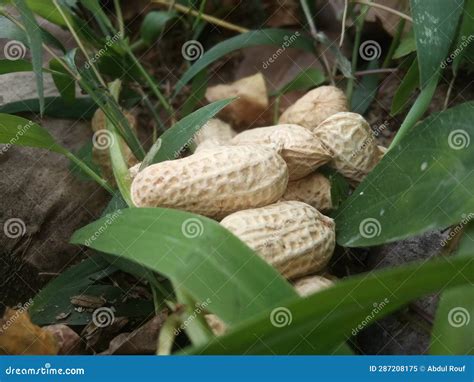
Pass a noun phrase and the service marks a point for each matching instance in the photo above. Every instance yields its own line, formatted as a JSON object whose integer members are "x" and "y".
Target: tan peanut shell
{"x": 349, "y": 137}
{"x": 251, "y": 105}
{"x": 315, "y": 106}
{"x": 133, "y": 171}
{"x": 313, "y": 189}
{"x": 217, "y": 326}
{"x": 214, "y": 129}
{"x": 302, "y": 152}
{"x": 308, "y": 285}
{"x": 101, "y": 155}
{"x": 291, "y": 236}
{"x": 213, "y": 182}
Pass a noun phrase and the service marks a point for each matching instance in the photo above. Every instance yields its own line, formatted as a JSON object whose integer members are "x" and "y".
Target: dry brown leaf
{"x": 19, "y": 336}
{"x": 251, "y": 107}
{"x": 68, "y": 340}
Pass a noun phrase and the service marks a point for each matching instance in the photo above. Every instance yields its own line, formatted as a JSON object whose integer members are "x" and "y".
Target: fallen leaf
{"x": 68, "y": 340}
{"x": 19, "y": 336}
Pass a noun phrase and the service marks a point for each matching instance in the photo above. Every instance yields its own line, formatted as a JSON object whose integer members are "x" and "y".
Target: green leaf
{"x": 56, "y": 107}
{"x": 276, "y": 37}
{"x": 174, "y": 140}
{"x": 198, "y": 91}
{"x": 320, "y": 323}
{"x": 196, "y": 252}
{"x": 153, "y": 25}
{"x": 35, "y": 43}
{"x": 407, "y": 46}
{"x": 423, "y": 183}
{"x": 304, "y": 80}
{"x": 454, "y": 323}
{"x": 22, "y": 132}
{"x": 102, "y": 19}
{"x": 464, "y": 48}
{"x": 408, "y": 85}
{"x": 365, "y": 91}
{"x": 342, "y": 62}
{"x": 9, "y": 66}
{"x": 434, "y": 23}
{"x": 47, "y": 10}
{"x": 63, "y": 81}
{"x": 340, "y": 188}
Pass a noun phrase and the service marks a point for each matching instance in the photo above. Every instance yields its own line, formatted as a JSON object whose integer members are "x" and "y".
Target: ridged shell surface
{"x": 214, "y": 182}
{"x": 302, "y": 152}
{"x": 311, "y": 284}
{"x": 313, "y": 189}
{"x": 291, "y": 236}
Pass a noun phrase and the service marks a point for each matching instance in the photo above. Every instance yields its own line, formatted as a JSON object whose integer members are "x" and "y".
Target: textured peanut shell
{"x": 101, "y": 156}
{"x": 213, "y": 182}
{"x": 315, "y": 106}
{"x": 350, "y": 138}
{"x": 313, "y": 189}
{"x": 291, "y": 236}
{"x": 302, "y": 152}
{"x": 250, "y": 108}
{"x": 217, "y": 326}
{"x": 308, "y": 285}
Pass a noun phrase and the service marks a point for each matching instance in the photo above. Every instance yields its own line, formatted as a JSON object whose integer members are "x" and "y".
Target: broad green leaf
{"x": 423, "y": 183}
{"x": 9, "y": 66}
{"x": 454, "y": 323}
{"x": 35, "y": 43}
{"x": 319, "y": 323}
{"x": 84, "y": 107}
{"x": 22, "y": 132}
{"x": 153, "y": 25}
{"x": 63, "y": 81}
{"x": 407, "y": 46}
{"x": 434, "y": 23}
{"x": 408, "y": 85}
{"x": 47, "y": 10}
{"x": 365, "y": 90}
{"x": 175, "y": 140}
{"x": 304, "y": 80}
{"x": 196, "y": 252}
{"x": 283, "y": 39}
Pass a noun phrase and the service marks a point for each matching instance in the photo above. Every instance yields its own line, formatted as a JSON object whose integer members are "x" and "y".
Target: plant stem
{"x": 204, "y": 16}
{"x": 151, "y": 82}
{"x": 314, "y": 32}
{"x": 118, "y": 11}
{"x": 137, "y": 45}
{"x": 355, "y": 52}
{"x": 385, "y": 8}
{"x": 394, "y": 43}
{"x": 84, "y": 167}
{"x": 79, "y": 43}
